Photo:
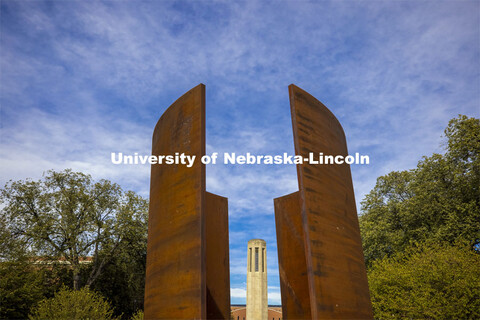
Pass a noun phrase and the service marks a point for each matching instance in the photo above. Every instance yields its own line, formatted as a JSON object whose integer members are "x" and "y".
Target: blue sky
{"x": 82, "y": 79}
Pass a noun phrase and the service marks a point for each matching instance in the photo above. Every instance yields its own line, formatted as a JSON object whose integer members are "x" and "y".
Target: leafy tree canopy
{"x": 437, "y": 201}
{"x": 68, "y": 216}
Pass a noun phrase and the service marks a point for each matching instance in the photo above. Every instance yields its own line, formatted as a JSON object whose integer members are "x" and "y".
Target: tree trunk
{"x": 76, "y": 279}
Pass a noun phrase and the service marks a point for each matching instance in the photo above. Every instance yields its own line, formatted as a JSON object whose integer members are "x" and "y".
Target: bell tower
{"x": 257, "y": 299}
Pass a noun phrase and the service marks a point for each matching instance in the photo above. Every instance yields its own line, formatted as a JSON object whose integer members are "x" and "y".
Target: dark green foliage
{"x": 25, "y": 281}
{"x": 383, "y": 224}
{"x": 123, "y": 279}
{"x": 21, "y": 286}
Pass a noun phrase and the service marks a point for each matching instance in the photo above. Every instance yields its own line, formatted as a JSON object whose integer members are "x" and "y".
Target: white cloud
{"x": 238, "y": 293}
{"x": 274, "y": 298}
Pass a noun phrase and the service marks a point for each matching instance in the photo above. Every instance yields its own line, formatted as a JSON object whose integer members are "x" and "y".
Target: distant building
{"x": 239, "y": 312}
{"x": 61, "y": 260}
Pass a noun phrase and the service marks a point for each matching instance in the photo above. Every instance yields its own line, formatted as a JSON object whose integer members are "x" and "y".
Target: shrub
{"x": 427, "y": 282}
{"x": 138, "y": 315}
{"x": 73, "y": 304}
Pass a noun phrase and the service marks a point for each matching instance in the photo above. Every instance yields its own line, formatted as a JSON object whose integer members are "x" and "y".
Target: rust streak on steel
{"x": 337, "y": 279}
{"x": 176, "y": 273}
{"x": 291, "y": 257}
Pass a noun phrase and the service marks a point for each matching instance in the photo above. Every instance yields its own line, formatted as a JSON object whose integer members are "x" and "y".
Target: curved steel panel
{"x": 336, "y": 269}
{"x": 334, "y": 262}
{"x": 187, "y": 274}
{"x": 175, "y": 275}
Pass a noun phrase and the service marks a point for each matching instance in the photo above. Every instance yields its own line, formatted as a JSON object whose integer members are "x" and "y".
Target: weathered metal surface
{"x": 337, "y": 278}
{"x": 291, "y": 258}
{"x": 218, "y": 276}
{"x": 176, "y": 273}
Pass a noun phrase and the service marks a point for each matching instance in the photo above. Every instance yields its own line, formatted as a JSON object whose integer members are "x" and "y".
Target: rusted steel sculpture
{"x": 187, "y": 274}
{"x": 291, "y": 257}
{"x": 329, "y": 280}
{"x": 218, "y": 273}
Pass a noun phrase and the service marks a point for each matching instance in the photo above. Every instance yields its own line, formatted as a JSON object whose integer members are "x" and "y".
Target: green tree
{"x": 73, "y": 304}
{"x": 68, "y": 216}
{"x": 427, "y": 282}
{"x": 123, "y": 279}
{"x": 21, "y": 286}
{"x": 383, "y": 224}
{"x": 439, "y": 200}
{"x": 24, "y": 282}
{"x": 11, "y": 248}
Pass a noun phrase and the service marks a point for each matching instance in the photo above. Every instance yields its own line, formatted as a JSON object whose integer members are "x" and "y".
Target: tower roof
{"x": 257, "y": 240}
